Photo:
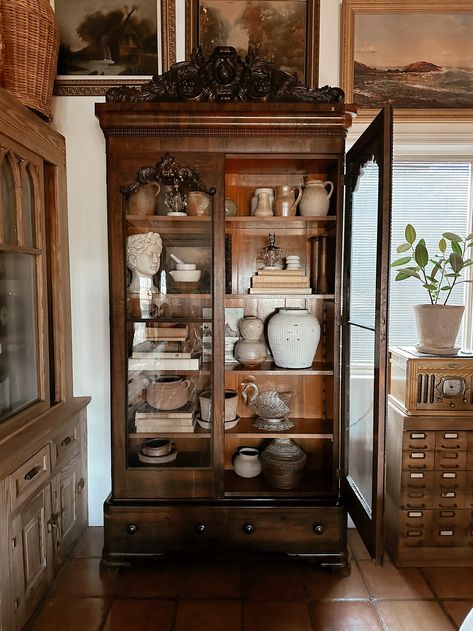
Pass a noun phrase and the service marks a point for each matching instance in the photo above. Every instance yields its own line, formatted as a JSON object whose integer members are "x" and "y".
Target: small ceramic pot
{"x": 231, "y": 402}
{"x": 251, "y": 327}
{"x": 246, "y": 462}
{"x": 250, "y": 352}
{"x": 255, "y": 199}
{"x": 167, "y": 393}
{"x": 157, "y": 447}
{"x": 198, "y": 203}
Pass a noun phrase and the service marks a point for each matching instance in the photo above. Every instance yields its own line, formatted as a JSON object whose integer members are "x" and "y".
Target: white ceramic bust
{"x": 143, "y": 252}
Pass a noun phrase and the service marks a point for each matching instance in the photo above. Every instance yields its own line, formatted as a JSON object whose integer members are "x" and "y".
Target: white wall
{"x": 74, "y": 118}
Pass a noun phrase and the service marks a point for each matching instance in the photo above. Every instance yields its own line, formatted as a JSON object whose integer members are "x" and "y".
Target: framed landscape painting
{"x": 415, "y": 55}
{"x": 284, "y": 32}
{"x": 104, "y": 43}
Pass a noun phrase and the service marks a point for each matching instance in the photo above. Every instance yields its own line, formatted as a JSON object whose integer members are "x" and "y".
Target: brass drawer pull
{"x": 248, "y": 529}
{"x": 415, "y": 505}
{"x": 418, "y": 447}
{"x": 318, "y": 529}
{"x": 132, "y": 529}
{"x": 450, "y": 446}
{"x": 32, "y": 473}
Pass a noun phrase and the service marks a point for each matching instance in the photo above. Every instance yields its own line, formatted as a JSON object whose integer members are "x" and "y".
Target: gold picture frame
{"x": 393, "y": 50}
{"x": 288, "y": 17}
{"x": 99, "y": 83}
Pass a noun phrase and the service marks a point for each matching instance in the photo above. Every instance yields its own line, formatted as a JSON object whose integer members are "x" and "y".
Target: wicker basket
{"x": 30, "y": 48}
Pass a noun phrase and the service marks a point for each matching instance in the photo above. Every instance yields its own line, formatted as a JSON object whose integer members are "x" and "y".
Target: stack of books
{"x": 149, "y": 420}
{"x": 164, "y": 349}
{"x": 282, "y": 281}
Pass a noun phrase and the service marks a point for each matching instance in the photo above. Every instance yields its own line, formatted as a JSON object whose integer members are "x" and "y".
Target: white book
{"x": 148, "y": 412}
{"x": 164, "y": 364}
{"x": 151, "y": 427}
{"x": 160, "y": 355}
{"x": 275, "y": 291}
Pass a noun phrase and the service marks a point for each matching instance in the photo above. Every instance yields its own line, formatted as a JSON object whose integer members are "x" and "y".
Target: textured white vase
{"x": 293, "y": 336}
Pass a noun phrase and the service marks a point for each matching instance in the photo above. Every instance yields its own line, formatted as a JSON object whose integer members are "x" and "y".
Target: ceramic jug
{"x": 167, "y": 392}
{"x": 263, "y": 208}
{"x": 254, "y": 199}
{"x": 246, "y": 463}
{"x": 143, "y": 202}
{"x": 286, "y": 200}
{"x": 315, "y": 199}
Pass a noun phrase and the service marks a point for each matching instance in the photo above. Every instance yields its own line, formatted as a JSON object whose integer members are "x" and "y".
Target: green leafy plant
{"x": 438, "y": 274}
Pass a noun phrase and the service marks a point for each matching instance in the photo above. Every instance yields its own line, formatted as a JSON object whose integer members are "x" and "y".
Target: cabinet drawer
{"x": 451, "y": 440}
{"x": 415, "y": 519}
{"x": 67, "y": 444}
{"x": 450, "y": 518}
{"x": 450, "y": 459}
{"x": 417, "y": 479}
{"x": 416, "y": 498}
{"x": 293, "y": 531}
{"x": 448, "y": 537}
{"x": 418, "y": 440}
{"x": 450, "y": 479}
{"x": 449, "y": 498}
{"x": 30, "y": 477}
{"x": 418, "y": 459}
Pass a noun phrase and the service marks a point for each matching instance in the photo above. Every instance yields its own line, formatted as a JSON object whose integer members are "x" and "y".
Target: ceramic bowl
{"x": 157, "y": 447}
{"x": 185, "y": 266}
{"x": 185, "y": 276}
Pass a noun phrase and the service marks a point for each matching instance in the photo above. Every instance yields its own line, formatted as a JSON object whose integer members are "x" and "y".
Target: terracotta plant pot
{"x": 437, "y": 328}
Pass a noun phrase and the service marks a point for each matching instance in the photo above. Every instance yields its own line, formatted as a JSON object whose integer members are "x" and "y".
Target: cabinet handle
{"x": 448, "y": 505}
{"x": 66, "y": 441}
{"x": 318, "y": 529}
{"x": 32, "y": 472}
{"x": 416, "y": 486}
{"x": 248, "y": 529}
{"x": 132, "y": 529}
{"x": 201, "y": 529}
{"x": 417, "y": 446}
{"x": 415, "y": 505}
{"x": 450, "y": 446}
{"x": 80, "y": 485}
{"x": 54, "y": 521}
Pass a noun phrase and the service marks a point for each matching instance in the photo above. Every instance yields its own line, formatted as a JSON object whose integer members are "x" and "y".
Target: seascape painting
{"x": 106, "y": 37}
{"x": 413, "y": 60}
{"x": 275, "y": 29}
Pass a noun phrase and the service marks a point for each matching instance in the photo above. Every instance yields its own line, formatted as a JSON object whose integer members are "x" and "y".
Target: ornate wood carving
{"x": 224, "y": 76}
{"x": 168, "y": 171}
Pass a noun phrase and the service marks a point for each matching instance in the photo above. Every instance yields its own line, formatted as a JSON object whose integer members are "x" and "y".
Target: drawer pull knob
{"x": 32, "y": 473}
{"x": 248, "y": 529}
{"x": 201, "y": 529}
{"x": 66, "y": 441}
{"x": 318, "y": 529}
{"x": 132, "y": 529}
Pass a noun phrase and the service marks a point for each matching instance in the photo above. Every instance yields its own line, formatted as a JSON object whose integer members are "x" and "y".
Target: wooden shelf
{"x": 198, "y": 433}
{"x": 314, "y": 484}
{"x": 269, "y": 368}
{"x": 303, "y": 428}
{"x": 177, "y": 371}
{"x": 277, "y": 223}
{"x": 184, "y": 460}
{"x": 283, "y": 296}
{"x": 183, "y": 225}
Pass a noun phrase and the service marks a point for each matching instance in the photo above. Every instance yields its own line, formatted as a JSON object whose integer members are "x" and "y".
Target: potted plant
{"x": 437, "y": 323}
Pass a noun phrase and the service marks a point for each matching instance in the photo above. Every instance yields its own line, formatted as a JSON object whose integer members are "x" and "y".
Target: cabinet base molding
{"x": 137, "y": 532}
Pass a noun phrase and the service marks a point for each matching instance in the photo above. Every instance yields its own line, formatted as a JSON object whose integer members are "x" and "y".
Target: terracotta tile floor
{"x": 252, "y": 595}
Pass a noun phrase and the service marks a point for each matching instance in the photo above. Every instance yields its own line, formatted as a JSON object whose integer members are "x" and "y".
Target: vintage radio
{"x": 431, "y": 384}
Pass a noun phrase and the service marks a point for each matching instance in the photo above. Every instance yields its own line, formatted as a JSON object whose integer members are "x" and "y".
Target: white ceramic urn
{"x": 246, "y": 463}
{"x": 293, "y": 336}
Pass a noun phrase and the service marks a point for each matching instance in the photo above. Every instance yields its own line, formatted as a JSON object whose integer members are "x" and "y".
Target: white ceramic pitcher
{"x": 315, "y": 200}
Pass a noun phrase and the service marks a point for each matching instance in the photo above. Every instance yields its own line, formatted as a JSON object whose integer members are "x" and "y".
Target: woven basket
{"x": 30, "y": 48}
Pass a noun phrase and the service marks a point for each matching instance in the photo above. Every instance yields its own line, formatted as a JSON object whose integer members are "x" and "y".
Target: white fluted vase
{"x": 293, "y": 336}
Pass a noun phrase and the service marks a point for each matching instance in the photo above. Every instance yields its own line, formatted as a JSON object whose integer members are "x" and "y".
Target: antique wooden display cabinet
{"x": 186, "y": 155}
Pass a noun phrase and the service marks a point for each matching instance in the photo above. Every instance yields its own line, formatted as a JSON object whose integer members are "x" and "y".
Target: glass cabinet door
{"x": 22, "y": 301}
{"x": 169, "y": 322}
{"x": 364, "y": 323}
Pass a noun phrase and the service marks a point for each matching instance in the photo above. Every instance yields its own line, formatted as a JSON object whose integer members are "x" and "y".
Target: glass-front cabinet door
{"x": 168, "y": 257}
{"x": 364, "y": 324}
{"x": 23, "y": 310}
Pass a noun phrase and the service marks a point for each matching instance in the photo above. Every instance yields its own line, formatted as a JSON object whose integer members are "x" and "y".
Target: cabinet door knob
{"x": 318, "y": 529}
{"x": 201, "y": 529}
{"x": 248, "y": 529}
{"x": 132, "y": 529}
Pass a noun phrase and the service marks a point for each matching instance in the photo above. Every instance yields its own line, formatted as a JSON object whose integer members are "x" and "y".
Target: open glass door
{"x": 364, "y": 327}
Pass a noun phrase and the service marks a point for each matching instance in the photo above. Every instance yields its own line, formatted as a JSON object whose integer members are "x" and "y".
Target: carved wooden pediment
{"x": 224, "y": 76}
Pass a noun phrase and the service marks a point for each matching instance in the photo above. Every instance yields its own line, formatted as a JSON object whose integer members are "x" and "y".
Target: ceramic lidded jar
{"x": 246, "y": 463}
{"x": 315, "y": 200}
{"x": 283, "y": 463}
{"x": 293, "y": 336}
{"x": 251, "y": 350}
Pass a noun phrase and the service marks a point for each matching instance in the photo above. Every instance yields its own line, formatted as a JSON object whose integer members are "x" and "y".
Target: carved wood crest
{"x": 224, "y": 76}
